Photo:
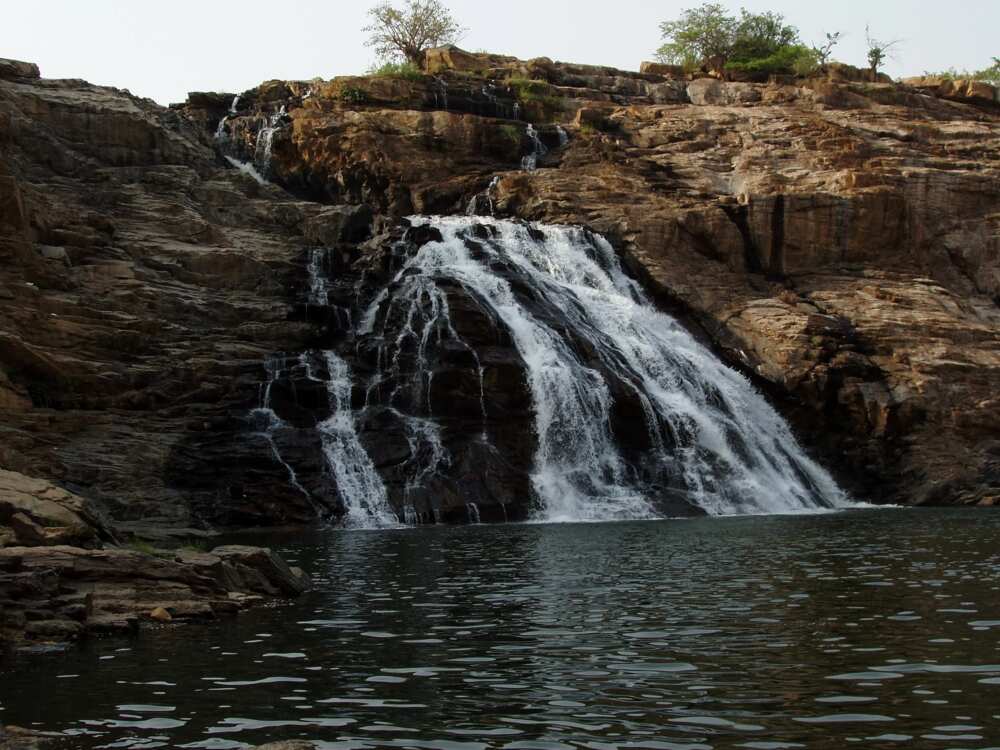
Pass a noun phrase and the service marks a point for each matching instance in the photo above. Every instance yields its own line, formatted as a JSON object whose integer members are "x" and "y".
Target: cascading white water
{"x": 428, "y": 457}
{"x": 220, "y": 130}
{"x": 248, "y": 169}
{"x": 730, "y": 448}
{"x": 530, "y": 162}
{"x": 359, "y": 484}
{"x": 483, "y": 200}
{"x": 319, "y": 286}
{"x": 265, "y": 142}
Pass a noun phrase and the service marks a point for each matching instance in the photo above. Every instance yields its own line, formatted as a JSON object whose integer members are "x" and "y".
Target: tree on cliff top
{"x": 708, "y": 32}
{"x": 398, "y": 35}
{"x": 878, "y": 51}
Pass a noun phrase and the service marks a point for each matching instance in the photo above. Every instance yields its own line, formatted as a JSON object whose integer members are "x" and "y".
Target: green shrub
{"x": 710, "y": 31}
{"x": 795, "y": 58}
{"x": 988, "y": 75}
{"x": 405, "y": 70}
{"x": 537, "y": 97}
{"x": 512, "y": 133}
{"x": 529, "y": 89}
{"x": 143, "y": 547}
{"x": 353, "y": 95}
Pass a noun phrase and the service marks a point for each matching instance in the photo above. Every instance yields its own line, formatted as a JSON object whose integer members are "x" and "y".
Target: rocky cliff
{"x": 836, "y": 239}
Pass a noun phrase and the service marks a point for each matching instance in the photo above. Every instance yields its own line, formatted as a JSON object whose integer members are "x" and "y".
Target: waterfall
{"x": 530, "y": 162}
{"x": 265, "y": 141}
{"x": 222, "y": 138}
{"x": 220, "y": 130}
{"x": 319, "y": 285}
{"x": 440, "y": 93}
{"x": 563, "y": 136}
{"x": 712, "y": 434}
{"x": 248, "y": 169}
{"x": 630, "y": 414}
{"x": 483, "y": 202}
{"x": 358, "y": 483}
{"x": 267, "y": 421}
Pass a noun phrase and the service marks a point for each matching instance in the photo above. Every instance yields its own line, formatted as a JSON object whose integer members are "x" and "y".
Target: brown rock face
{"x": 37, "y": 513}
{"x": 837, "y": 239}
{"x": 143, "y": 287}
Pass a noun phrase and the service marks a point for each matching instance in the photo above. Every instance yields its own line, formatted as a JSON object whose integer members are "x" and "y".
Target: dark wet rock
{"x": 60, "y": 593}
{"x": 338, "y": 224}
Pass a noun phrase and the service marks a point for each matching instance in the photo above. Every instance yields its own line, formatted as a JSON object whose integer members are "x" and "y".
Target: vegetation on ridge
{"x": 709, "y": 38}
{"x": 750, "y": 42}
{"x": 987, "y": 75}
{"x": 405, "y": 70}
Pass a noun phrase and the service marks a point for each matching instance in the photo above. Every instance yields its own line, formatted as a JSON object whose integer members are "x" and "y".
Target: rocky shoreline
{"x": 63, "y": 574}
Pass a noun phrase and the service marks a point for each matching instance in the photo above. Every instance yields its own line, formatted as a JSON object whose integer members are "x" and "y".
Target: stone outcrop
{"x": 34, "y": 512}
{"x": 144, "y": 284}
{"x": 958, "y": 89}
{"x": 835, "y": 237}
{"x": 51, "y": 590}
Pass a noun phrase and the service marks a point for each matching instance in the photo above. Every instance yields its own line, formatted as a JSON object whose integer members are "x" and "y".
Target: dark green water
{"x": 869, "y": 629}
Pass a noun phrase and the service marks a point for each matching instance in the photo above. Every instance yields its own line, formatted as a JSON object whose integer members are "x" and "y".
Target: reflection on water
{"x": 876, "y": 628}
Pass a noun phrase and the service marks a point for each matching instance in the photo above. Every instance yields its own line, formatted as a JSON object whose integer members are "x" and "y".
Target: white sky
{"x": 163, "y": 49}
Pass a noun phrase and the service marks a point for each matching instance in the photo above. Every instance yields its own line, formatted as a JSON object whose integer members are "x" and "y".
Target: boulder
{"x": 710, "y": 91}
{"x": 669, "y": 92}
{"x": 15, "y": 69}
{"x": 339, "y": 224}
{"x": 440, "y": 59}
{"x": 662, "y": 69}
{"x": 160, "y": 615}
{"x": 40, "y": 514}
{"x": 959, "y": 89}
{"x": 593, "y": 117}
{"x": 249, "y": 570}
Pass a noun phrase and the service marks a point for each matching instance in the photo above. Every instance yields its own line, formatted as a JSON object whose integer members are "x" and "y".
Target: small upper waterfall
{"x": 265, "y": 142}
{"x": 530, "y": 162}
{"x": 220, "y": 130}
